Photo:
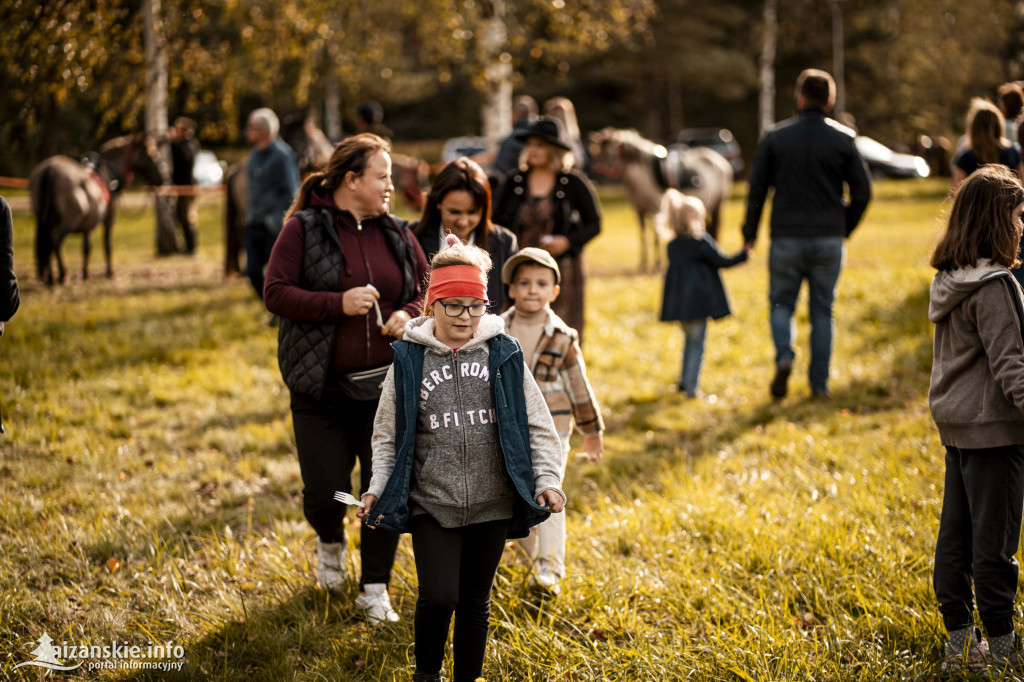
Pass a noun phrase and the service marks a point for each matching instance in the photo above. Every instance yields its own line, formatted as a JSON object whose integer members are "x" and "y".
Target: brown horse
{"x": 69, "y": 197}
{"x": 648, "y": 169}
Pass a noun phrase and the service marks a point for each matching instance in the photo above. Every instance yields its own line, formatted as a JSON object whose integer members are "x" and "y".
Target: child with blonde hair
{"x": 693, "y": 287}
{"x": 465, "y": 456}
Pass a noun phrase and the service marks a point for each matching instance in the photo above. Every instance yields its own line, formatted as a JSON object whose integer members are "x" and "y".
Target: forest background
{"x": 72, "y": 70}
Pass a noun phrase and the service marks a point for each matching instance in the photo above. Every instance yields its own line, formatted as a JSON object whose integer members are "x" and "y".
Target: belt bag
{"x": 364, "y": 385}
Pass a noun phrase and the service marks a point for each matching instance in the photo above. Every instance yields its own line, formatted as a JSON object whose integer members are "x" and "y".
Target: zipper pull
{"x": 359, "y": 225}
{"x": 380, "y": 517}
{"x": 499, "y": 373}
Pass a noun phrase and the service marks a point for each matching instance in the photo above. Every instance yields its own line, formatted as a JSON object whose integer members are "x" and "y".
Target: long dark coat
{"x": 693, "y": 288}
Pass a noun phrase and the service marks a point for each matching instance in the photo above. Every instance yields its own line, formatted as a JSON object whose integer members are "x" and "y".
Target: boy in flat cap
{"x": 552, "y": 352}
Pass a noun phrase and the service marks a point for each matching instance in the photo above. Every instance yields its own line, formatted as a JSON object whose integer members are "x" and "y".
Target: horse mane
{"x": 632, "y": 143}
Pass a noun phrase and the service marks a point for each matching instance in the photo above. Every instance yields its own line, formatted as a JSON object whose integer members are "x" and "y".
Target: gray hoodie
{"x": 459, "y": 475}
{"x": 977, "y": 384}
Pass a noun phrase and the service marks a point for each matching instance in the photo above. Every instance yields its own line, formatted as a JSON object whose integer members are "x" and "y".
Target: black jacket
{"x": 10, "y": 297}
{"x": 577, "y": 216}
{"x": 693, "y": 289}
{"x": 807, "y": 159}
{"x": 501, "y": 245}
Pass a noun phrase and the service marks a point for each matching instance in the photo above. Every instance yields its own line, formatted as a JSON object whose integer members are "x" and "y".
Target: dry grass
{"x": 150, "y": 490}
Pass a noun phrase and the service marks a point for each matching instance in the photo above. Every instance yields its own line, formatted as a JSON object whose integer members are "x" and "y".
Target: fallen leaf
{"x": 113, "y": 564}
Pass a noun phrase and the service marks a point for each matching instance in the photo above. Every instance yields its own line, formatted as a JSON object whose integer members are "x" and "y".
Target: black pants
{"x": 330, "y": 435}
{"x": 456, "y": 568}
{"x": 979, "y": 532}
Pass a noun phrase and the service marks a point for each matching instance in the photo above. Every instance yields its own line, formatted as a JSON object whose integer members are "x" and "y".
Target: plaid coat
{"x": 558, "y": 367}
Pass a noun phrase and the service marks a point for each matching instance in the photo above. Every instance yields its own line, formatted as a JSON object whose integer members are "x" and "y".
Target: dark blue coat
{"x": 693, "y": 289}
{"x": 391, "y": 512}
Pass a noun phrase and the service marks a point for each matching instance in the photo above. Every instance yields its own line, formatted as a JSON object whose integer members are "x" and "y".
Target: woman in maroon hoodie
{"x": 344, "y": 277}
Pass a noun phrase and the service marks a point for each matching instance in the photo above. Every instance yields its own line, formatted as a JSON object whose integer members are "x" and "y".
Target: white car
{"x": 207, "y": 169}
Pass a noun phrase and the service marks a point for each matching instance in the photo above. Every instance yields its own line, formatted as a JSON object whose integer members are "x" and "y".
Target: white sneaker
{"x": 547, "y": 582}
{"x": 330, "y": 566}
{"x": 375, "y": 603}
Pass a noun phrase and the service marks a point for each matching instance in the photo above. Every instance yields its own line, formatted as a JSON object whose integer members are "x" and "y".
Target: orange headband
{"x": 457, "y": 280}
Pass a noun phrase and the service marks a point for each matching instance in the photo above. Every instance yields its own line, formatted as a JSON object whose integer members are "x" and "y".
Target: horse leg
{"x": 86, "y": 247}
{"x": 61, "y": 272}
{"x": 643, "y": 241}
{"x": 108, "y": 228}
{"x": 657, "y": 249}
{"x": 713, "y": 219}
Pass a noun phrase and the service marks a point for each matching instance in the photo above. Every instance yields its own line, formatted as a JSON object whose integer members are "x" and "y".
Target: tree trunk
{"x": 496, "y": 110}
{"x": 769, "y": 40}
{"x": 332, "y": 109}
{"x": 156, "y": 122}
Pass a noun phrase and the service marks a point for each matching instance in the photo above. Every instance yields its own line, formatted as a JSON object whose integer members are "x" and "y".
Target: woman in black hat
{"x": 550, "y": 205}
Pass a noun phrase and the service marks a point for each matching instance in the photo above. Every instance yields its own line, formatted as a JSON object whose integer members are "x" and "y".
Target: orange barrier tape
{"x": 17, "y": 183}
{"x": 186, "y": 190}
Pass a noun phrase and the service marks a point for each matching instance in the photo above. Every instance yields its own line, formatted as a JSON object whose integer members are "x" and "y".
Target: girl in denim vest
{"x": 465, "y": 456}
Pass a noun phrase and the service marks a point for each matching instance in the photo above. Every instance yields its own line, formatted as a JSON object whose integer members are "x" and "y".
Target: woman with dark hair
{"x": 549, "y": 204}
{"x": 985, "y": 143}
{"x": 459, "y": 203}
{"x": 344, "y": 277}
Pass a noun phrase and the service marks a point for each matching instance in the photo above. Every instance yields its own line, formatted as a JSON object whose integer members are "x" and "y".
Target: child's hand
{"x": 593, "y": 445}
{"x": 395, "y": 326}
{"x": 368, "y": 501}
{"x": 552, "y": 500}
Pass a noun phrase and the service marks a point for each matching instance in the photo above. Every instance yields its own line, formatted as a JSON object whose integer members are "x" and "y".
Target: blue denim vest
{"x": 392, "y": 509}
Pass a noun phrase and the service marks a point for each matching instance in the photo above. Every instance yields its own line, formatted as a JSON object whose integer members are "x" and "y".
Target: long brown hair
{"x": 465, "y": 175}
{"x": 981, "y": 221}
{"x": 350, "y": 156}
{"x": 985, "y": 129}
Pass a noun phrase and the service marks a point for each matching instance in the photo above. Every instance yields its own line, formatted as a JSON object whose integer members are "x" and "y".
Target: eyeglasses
{"x": 456, "y": 309}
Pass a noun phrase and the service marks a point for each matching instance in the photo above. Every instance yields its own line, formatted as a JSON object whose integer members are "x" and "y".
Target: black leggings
{"x": 456, "y": 568}
{"x": 330, "y": 434}
{"x": 979, "y": 532}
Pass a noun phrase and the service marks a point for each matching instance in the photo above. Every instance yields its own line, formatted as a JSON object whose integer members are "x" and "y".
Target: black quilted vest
{"x": 304, "y": 348}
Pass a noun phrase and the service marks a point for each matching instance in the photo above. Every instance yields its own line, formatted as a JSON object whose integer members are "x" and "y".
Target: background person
{"x": 459, "y": 203}
{"x": 184, "y": 148}
{"x": 807, "y": 160}
{"x": 338, "y": 241}
{"x": 524, "y": 112}
{"x": 273, "y": 180}
{"x": 1011, "y": 103}
{"x": 985, "y": 143}
{"x": 562, "y": 110}
{"x": 10, "y": 295}
{"x": 693, "y": 287}
{"x": 549, "y": 204}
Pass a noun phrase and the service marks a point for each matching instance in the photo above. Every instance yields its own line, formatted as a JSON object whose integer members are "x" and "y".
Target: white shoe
{"x": 545, "y": 581}
{"x": 330, "y": 566}
{"x": 375, "y": 603}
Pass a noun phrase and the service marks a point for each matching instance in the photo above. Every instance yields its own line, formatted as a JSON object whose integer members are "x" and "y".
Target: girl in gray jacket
{"x": 465, "y": 455}
{"x": 977, "y": 402}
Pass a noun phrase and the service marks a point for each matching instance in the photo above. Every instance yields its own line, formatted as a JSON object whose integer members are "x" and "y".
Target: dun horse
{"x": 648, "y": 169}
{"x": 69, "y": 197}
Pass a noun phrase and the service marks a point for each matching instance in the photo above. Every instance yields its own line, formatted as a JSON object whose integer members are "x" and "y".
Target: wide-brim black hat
{"x": 548, "y": 130}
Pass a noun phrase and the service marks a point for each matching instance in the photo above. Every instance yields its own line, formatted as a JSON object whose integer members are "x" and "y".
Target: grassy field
{"x": 150, "y": 492}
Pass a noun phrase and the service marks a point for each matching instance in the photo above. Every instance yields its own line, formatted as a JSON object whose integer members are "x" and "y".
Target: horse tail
{"x": 43, "y": 205}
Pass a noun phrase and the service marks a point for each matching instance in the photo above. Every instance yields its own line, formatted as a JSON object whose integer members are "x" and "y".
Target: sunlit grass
{"x": 724, "y": 538}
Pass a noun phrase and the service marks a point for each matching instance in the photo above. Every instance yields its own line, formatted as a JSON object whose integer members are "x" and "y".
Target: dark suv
{"x": 719, "y": 139}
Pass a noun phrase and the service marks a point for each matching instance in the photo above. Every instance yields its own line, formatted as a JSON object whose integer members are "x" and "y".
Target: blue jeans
{"x": 693, "y": 354}
{"x": 259, "y": 241}
{"x": 790, "y": 262}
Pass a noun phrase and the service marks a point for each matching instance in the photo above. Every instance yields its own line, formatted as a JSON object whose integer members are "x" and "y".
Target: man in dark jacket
{"x": 807, "y": 160}
{"x": 184, "y": 148}
{"x": 273, "y": 180}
